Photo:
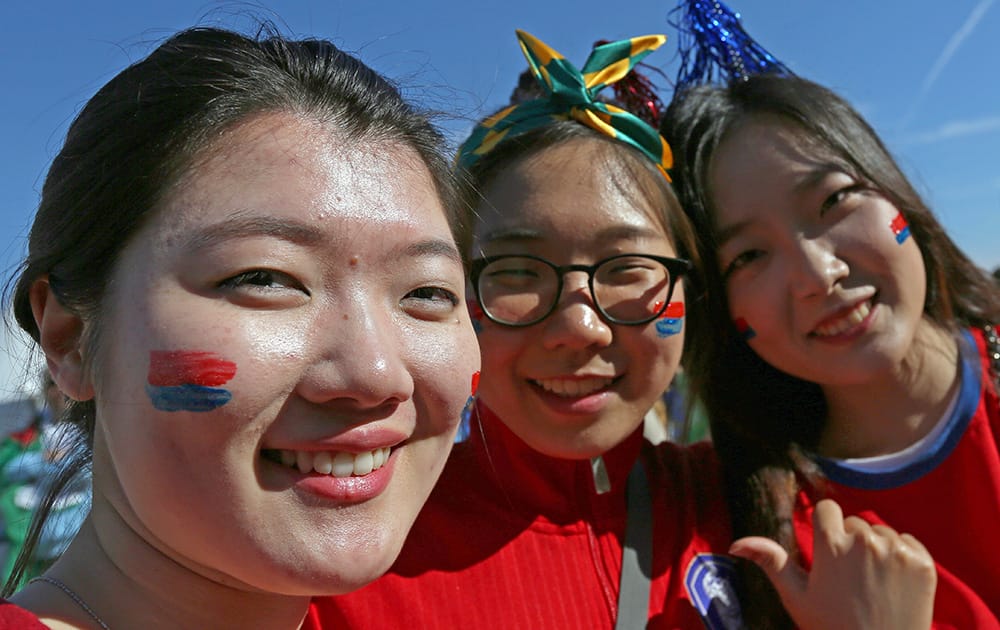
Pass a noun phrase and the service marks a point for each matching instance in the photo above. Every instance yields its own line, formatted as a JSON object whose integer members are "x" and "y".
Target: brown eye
{"x": 262, "y": 282}
{"x": 740, "y": 261}
{"x": 433, "y": 294}
{"x": 841, "y": 195}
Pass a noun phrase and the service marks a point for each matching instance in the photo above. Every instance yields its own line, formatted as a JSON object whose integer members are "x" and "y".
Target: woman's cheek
{"x": 448, "y": 363}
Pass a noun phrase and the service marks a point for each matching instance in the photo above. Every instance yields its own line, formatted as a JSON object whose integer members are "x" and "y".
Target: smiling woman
{"x": 266, "y": 340}
{"x": 845, "y": 347}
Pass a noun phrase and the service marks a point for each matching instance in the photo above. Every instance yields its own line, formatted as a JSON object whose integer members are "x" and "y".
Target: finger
{"x": 828, "y": 518}
{"x": 885, "y": 531}
{"x": 789, "y": 579}
{"x": 856, "y": 525}
{"x": 913, "y": 543}
{"x": 828, "y": 529}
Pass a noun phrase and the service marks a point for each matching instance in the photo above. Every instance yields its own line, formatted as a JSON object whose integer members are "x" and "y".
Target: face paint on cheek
{"x": 743, "y": 328}
{"x": 181, "y": 380}
{"x": 476, "y": 315}
{"x": 900, "y": 228}
{"x": 471, "y": 402}
{"x": 671, "y": 321}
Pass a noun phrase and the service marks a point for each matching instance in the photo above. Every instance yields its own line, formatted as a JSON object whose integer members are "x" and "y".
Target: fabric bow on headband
{"x": 571, "y": 94}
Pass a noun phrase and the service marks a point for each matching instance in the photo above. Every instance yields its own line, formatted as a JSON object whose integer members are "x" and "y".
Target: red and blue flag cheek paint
{"x": 900, "y": 228}
{"x": 476, "y": 315}
{"x": 671, "y": 321}
{"x": 182, "y": 380}
{"x": 743, "y": 328}
{"x": 471, "y": 402}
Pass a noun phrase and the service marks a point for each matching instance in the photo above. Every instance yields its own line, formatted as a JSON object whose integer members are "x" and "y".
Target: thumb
{"x": 790, "y": 580}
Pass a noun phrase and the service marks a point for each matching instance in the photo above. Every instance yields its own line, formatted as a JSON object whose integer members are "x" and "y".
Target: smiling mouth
{"x": 334, "y": 463}
{"x": 574, "y": 387}
{"x": 842, "y": 324}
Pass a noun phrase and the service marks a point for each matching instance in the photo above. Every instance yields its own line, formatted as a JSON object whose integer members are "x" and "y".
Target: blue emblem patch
{"x": 710, "y": 582}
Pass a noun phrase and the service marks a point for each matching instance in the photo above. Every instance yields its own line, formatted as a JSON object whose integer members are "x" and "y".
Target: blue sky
{"x": 922, "y": 71}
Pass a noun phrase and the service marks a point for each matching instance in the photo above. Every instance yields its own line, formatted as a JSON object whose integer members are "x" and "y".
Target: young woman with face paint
{"x": 844, "y": 345}
{"x": 556, "y": 513}
{"x": 243, "y": 271}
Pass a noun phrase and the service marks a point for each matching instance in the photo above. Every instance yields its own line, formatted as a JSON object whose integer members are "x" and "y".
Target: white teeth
{"x": 853, "y": 318}
{"x": 364, "y": 463}
{"x": 304, "y": 460}
{"x": 338, "y": 464}
{"x": 323, "y": 463}
{"x": 343, "y": 464}
{"x": 574, "y": 387}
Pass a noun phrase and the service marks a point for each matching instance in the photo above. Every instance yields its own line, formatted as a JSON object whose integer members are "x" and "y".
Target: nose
{"x": 576, "y": 323}
{"x": 815, "y": 268}
{"x": 359, "y": 359}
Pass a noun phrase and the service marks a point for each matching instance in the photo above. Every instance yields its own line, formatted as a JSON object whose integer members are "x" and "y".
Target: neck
{"x": 888, "y": 413}
{"x": 129, "y": 583}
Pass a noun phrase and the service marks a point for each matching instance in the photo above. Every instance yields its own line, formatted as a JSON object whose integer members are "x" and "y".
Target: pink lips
{"x": 350, "y": 489}
{"x": 582, "y": 404}
{"x": 355, "y": 489}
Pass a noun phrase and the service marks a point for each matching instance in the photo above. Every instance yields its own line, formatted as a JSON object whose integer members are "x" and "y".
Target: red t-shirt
{"x": 511, "y": 538}
{"x": 949, "y": 498}
{"x": 13, "y": 617}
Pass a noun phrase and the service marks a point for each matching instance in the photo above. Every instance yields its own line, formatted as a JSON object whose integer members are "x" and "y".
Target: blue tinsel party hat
{"x": 713, "y": 47}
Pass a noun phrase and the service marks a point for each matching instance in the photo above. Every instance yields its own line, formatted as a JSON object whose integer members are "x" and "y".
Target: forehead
{"x": 292, "y": 167}
{"x": 575, "y": 192}
{"x": 765, "y": 157}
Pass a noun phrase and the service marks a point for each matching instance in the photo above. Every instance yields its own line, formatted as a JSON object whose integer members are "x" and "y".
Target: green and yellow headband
{"x": 571, "y": 95}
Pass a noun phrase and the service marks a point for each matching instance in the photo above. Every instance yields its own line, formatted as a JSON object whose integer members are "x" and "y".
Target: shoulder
{"x": 13, "y": 616}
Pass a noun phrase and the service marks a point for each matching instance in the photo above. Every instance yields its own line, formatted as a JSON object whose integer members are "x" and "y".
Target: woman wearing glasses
{"x": 556, "y": 513}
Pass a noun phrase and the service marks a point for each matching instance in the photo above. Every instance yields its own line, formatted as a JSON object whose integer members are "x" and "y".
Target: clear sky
{"x": 922, "y": 71}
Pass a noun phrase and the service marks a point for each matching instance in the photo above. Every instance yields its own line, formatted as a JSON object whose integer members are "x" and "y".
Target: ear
{"x": 60, "y": 334}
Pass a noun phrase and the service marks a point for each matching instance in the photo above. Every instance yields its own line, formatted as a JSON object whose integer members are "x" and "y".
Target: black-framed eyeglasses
{"x": 521, "y": 290}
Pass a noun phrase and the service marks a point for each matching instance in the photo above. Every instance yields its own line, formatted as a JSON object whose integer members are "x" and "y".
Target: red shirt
{"x": 13, "y": 617}
{"x": 949, "y": 498}
{"x": 511, "y": 538}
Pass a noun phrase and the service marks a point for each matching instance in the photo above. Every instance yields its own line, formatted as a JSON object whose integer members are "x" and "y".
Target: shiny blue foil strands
{"x": 713, "y": 47}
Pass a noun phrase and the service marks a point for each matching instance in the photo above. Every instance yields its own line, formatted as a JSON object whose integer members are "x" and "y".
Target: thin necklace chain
{"x": 489, "y": 457}
{"x": 72, "y": 595}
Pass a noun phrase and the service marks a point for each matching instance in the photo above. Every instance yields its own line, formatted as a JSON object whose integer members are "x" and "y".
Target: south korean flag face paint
{"x": 671, "y": 321}
{"x": 900, "y": 228}
{"x": 188, "y": 380}
{"x": 743, "y": 328}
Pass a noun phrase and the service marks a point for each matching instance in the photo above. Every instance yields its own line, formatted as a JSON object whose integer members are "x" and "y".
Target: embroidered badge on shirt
{"x": 710, "y": 582}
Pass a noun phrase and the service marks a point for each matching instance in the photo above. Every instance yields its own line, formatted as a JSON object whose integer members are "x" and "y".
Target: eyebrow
{"x": 243, "y": 225}
{"x": 807, "y": 182}
{"x": 730, "y": 232}
{"x": 615, "y": 233}
{"x": 815, "y": 176}
{"x": 433, "y": 247}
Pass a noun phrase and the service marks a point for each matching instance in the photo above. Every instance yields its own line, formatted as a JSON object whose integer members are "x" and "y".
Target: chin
{"x": 585, "y": 444}
{"x": 338, "y": 574}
